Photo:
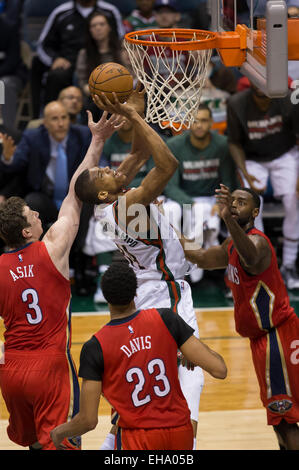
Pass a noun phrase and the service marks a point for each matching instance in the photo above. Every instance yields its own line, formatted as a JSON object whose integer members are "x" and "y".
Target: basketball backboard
{"x": 266, "y": 63}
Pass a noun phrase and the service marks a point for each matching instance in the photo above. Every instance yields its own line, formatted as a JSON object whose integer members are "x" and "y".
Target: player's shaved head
{"x": 254, "y": 195}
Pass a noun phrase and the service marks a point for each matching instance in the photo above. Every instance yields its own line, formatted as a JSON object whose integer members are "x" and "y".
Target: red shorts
{"x": 276, "y": 361}
{"x": 175, "y": 438}
{"x": 41, "y": 391}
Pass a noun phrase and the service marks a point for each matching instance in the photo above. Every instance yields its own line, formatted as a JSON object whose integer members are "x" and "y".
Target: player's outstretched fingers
{"x": 89, "y": 117}
{"x": 98, "y": 101}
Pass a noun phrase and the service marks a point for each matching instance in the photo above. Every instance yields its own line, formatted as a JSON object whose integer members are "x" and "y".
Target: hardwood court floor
{"x": 231, "y": 415}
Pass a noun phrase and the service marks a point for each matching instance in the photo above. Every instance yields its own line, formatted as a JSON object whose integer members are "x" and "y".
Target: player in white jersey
{"x": 157, "y": 258}
{"x": 154, "y": 249}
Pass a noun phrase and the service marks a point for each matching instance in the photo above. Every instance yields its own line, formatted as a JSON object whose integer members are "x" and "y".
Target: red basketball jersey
{"x": 261, "y": 301}
{"x": 34, "y": 300}
{"x": 140, "y": 377}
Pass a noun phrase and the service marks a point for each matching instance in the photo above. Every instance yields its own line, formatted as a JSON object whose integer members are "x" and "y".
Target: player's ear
{"x": 102, "y": 195}
{"x": 26, "y": 232}
{"x": 255, "y": 212}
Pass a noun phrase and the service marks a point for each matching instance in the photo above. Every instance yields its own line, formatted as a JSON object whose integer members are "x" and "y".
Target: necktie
{"x": 61, "y": 177}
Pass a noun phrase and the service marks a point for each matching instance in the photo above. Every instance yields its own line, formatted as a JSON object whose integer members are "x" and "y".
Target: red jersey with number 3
{"x": 34, "y": 300}
{"x": 261, "y": 301}
{"x": 140, "y": 377}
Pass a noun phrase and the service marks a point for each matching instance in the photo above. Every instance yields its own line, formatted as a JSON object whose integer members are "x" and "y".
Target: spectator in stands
{"x": 101, "y": 45}
{"x": 59, "y": 44}
{"x": 262, "y": 140}
{"x": 204, "y": 163}
{"x": 13, "y": 72}
{"x": 39, "y": 153}
{"x": 167, "y": 13}
{"x": 142, "y": 17}
{"x": 72, "y": 99}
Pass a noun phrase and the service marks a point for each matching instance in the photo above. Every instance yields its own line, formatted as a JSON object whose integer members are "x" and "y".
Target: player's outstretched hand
{"x": 224, "y": 201}
{"x": 104, "y": 128}
{"x": 115, "y": 107}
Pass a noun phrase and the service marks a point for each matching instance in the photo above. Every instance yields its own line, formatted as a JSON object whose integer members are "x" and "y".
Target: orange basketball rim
{"x": 173, "y": 64}
{"x": 230, "y": 45}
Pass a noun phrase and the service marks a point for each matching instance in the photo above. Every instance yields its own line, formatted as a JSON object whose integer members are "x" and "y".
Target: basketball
{"x": 111, "y": 77}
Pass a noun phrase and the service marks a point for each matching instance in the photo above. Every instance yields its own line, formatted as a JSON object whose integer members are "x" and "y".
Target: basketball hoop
{"x": 172, "y": 65}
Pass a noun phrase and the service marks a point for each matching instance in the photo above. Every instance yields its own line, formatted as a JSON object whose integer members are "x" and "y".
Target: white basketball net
{"x": 173, "y": 80}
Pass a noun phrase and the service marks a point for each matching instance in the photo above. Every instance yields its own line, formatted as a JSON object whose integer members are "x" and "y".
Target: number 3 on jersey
{"x": 160, "y": 376}
{"x": 30, "y": 295}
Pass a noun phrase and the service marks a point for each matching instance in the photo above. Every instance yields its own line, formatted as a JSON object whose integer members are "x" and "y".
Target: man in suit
{"x": 37, "y": 154}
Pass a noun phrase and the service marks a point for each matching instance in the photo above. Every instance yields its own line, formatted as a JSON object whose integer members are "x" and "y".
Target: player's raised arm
{"x": 139, "y": 153}
{"x": 165, "y": 162}
{"x": 238, "y": 212}
{"x": 61, "y": 235}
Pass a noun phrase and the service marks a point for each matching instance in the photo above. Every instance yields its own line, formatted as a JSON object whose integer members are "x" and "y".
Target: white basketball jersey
{"x": 157, "y": 254}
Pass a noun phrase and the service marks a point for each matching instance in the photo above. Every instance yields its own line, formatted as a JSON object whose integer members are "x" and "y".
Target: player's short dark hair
{"x": 119, "y": 284}
{"x": 85, "y": 190}
{"x": 255, "y": 197}
{"x": 12, "y": 221}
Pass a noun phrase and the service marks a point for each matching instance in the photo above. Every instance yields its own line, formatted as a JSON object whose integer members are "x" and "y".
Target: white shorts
{"x": 156, "y": 294}
{"x": 282, "y": 172}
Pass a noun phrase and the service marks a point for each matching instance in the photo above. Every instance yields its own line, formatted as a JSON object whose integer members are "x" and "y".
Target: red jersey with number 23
{"x": 140, "y": 377}
{"x": 261, "y": 301}
{"x": 34, "y": 300}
